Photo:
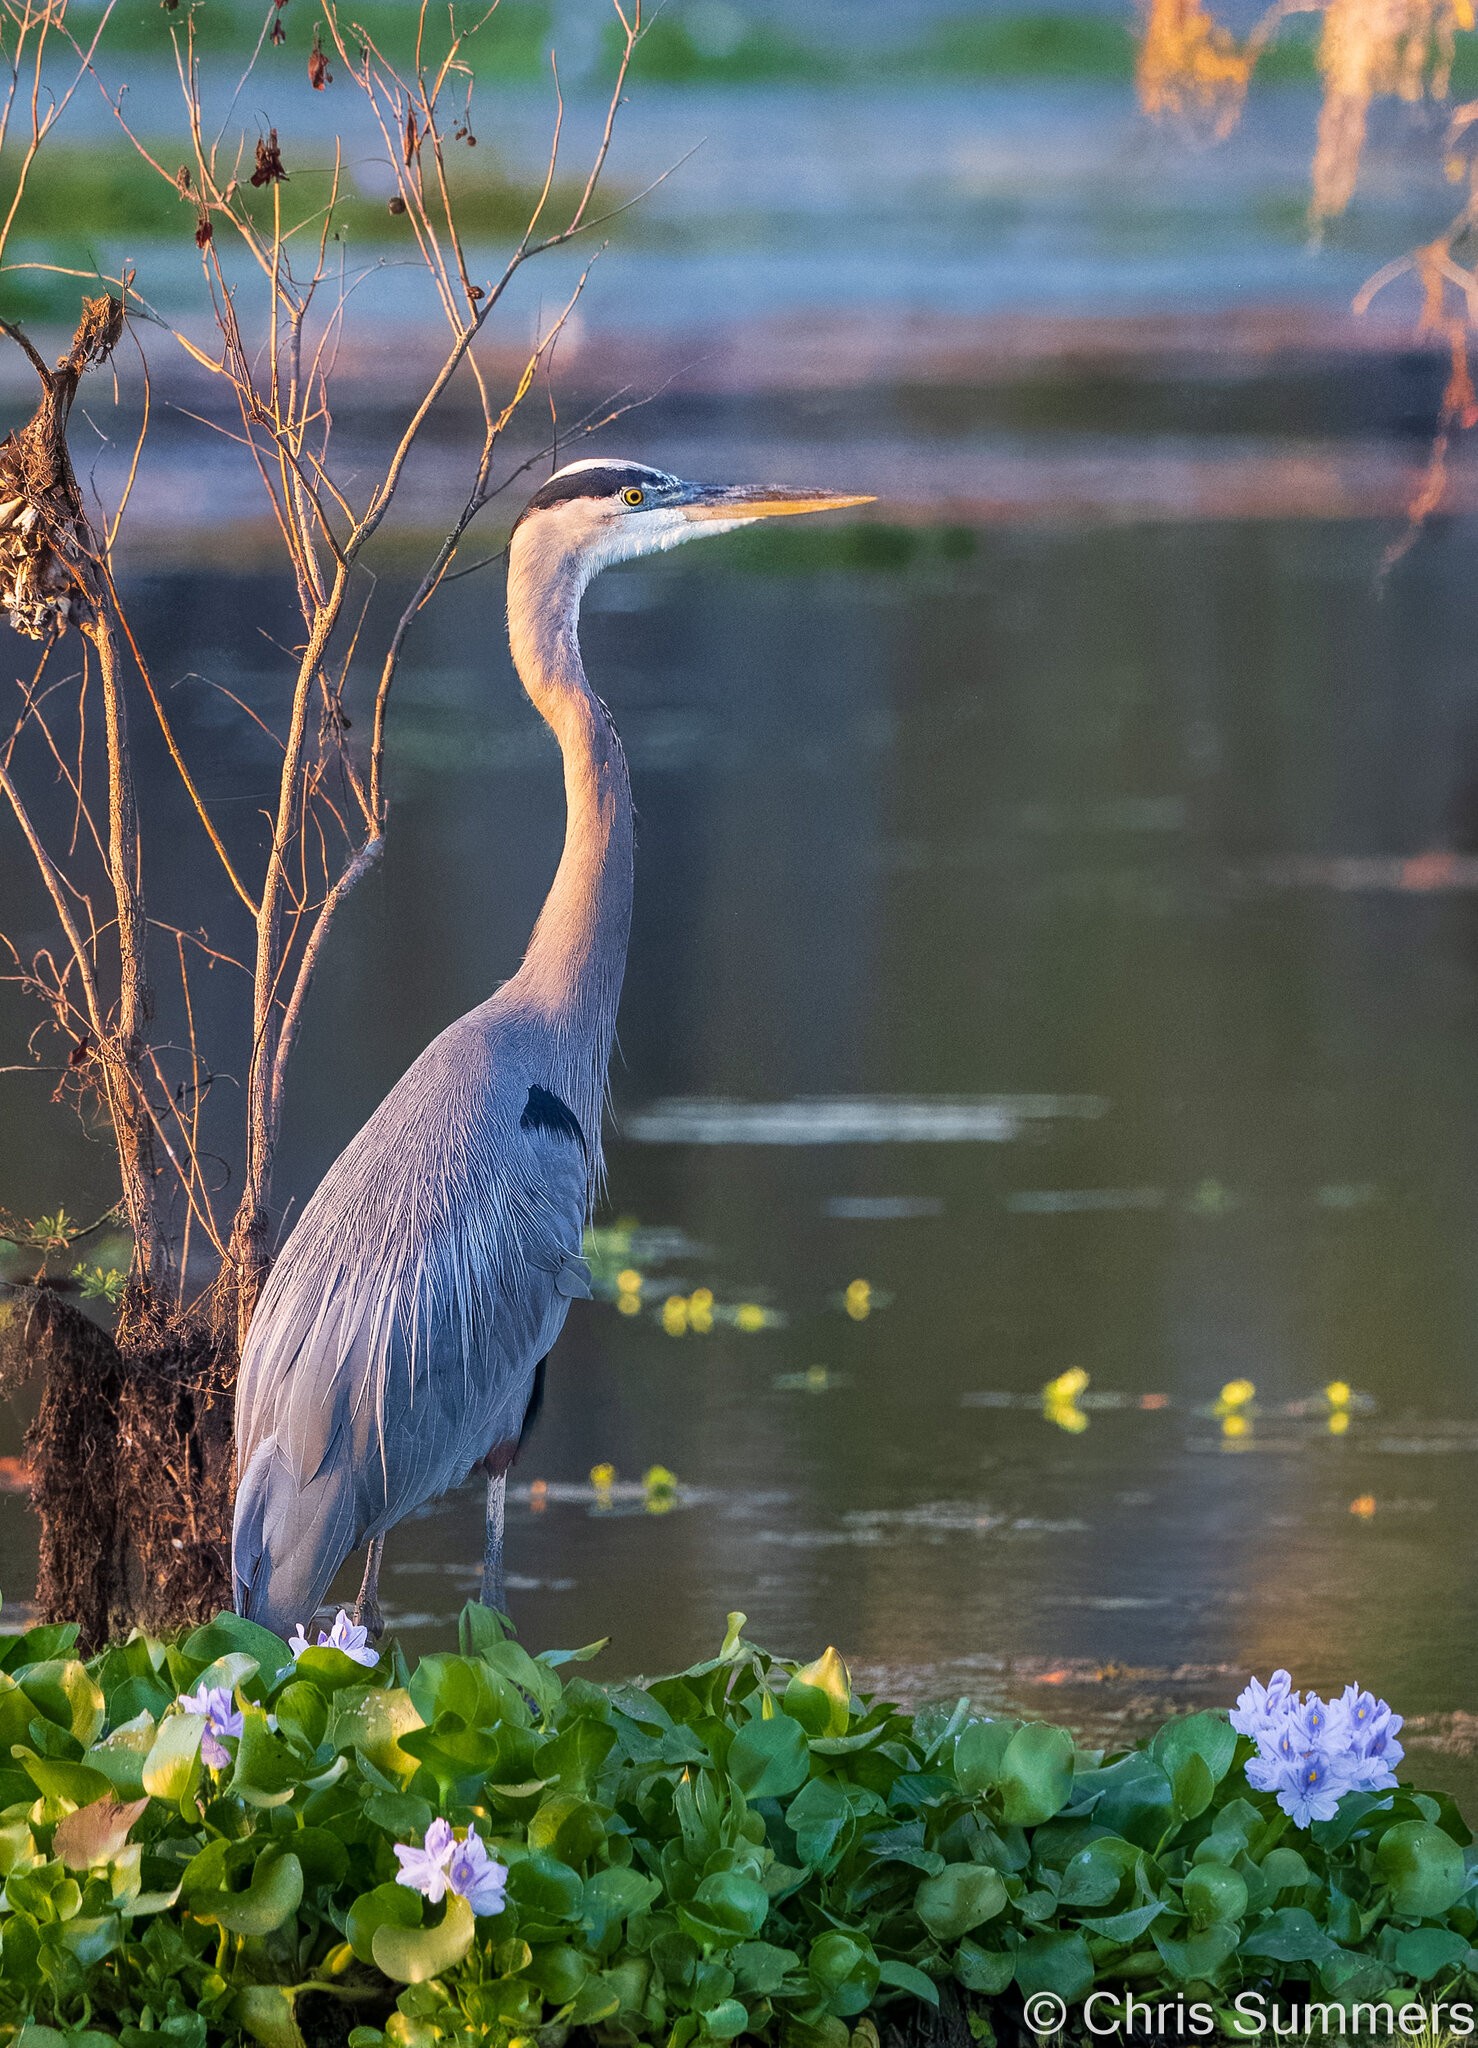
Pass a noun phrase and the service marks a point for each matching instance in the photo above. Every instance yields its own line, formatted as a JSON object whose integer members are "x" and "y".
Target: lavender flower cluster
{"x": 1311, "y": 1752}
{"x": 445, "y": 1864}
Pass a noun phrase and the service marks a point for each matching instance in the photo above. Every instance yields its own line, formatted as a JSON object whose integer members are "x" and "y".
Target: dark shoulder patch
{"x": 545, "y": 1112}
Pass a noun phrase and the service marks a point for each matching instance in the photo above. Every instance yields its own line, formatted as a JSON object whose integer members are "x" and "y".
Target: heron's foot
{"x": 367, "y": 1615}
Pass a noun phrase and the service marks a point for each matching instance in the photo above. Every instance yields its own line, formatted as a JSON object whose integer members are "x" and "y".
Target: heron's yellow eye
{"x": 634, "y": 496}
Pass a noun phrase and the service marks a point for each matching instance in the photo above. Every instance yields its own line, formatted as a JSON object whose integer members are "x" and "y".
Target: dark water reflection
{"x": 1062, "y": 817}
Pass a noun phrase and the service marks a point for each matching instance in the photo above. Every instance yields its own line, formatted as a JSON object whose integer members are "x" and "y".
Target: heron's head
{"x": 591, "y": 514}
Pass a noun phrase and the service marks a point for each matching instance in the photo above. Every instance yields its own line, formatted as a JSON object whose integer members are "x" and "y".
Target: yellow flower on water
{"x": 1235, "y": 1394}
{"x": 749, "y": 1316}
{"x": 1067, "y": 1415}
{"x": 627, "y": 1303}
{"x": 1337, "y": 1394}
{"x": 675, "y": 1315}
{"x": 1067, "y": 1386}
{"x": 700, "y": 1310}
{"x": 660, "y": 1487}
{"x": 858, "y": 1300}
{"x": 1339, "y": 1421}
{"x": 817, "y": 1376}
{"x": 629, "y": 1280}
{"x": 1234, "y": 1424}
{"x": 602, "y": 1477}
{"x": 1363, "y": 1506}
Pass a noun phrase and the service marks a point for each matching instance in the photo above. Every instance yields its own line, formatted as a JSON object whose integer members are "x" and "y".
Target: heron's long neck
{"x": 571, "y": 974}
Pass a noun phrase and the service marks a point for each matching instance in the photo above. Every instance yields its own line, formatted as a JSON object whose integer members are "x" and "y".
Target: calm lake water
{"x": 1087, "y": 855}
{"x": 1056, "y": 952}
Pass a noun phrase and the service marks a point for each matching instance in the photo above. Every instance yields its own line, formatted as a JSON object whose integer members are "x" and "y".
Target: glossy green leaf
{"x": 1060, "y": 1963}
{"x": 270, "y": 1899}
{"x": 66, "y": 1694}
{"x": 905, "y": 1977}
{"x": 817, "y": 1816}
{"x": 1036, "y": 1775}
{"x": 1423, "y": 1868}
{"x": 394, "y": 1905}
{"x": 962, "y": 1897}
{"x": 1213, "y": 1892}
{"x": 979, "y": 1752}
{"x": 268, "y": 2013}
{"x": 1426, "y": 1952}
{"x": 171, "y": 1770}
{"x": 411, "y": 1955}
{"x": 768, "y": 1759}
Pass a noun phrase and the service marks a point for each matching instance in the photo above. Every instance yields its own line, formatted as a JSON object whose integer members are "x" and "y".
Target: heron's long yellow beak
{"x": 760, "y": 501}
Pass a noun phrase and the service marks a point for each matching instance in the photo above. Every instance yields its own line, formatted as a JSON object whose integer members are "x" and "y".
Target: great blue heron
{"x": 400, "y": 1338}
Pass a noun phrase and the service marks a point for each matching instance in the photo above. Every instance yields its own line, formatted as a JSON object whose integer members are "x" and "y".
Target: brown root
{"x": 132, "y": 1457}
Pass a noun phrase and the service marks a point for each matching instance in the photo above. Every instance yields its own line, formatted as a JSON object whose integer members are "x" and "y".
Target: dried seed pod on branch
{"x": 48, "y": 572}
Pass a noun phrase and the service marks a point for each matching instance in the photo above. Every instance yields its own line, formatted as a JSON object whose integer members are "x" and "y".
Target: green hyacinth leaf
{"x": 962, "y": 1897}
{"x": 1423, "y": 1867}
{"x": 1036, "y": 1776}
{"x": 768, "y": 1759}
{"x": 388, "y": 1905}
{"x": 411, "y": 1955}
{"x": 266, "y": 2012}
{"x": 172, "y": 1768}
{"x": 268, "y": 1902}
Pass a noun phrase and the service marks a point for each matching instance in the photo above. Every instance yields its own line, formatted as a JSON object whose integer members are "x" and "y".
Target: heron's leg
{"x": 367, "y": 1606}
{"x": 494, "y": 1591}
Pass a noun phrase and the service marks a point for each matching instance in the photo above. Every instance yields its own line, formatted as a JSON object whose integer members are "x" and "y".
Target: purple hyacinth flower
{"x": 1259, "y": 1705}
{"x": 477, "y": 1877}
{"x": 345, "y": 1635}
{"x": 1310, "y": 1752}
{"x": 424, "y": 1870}
{"x": 222, "y": 1717}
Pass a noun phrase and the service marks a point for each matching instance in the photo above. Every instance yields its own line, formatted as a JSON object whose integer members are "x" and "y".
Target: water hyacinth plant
{"x": 226, "y": 1838}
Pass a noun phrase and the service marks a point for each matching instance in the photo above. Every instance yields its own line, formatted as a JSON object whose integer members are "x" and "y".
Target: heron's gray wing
{"x": 397, "y": 1339}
